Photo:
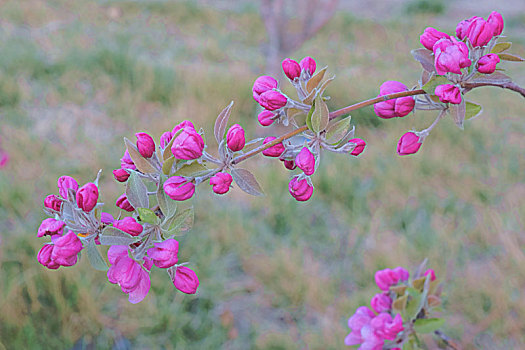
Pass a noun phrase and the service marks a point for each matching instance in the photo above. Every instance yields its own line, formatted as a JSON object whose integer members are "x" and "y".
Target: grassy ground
{"x": 77, "y": 76}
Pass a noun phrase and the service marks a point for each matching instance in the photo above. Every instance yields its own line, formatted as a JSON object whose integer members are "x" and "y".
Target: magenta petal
{"x": 139, "y": 293}
{"x": 115, "y": 252}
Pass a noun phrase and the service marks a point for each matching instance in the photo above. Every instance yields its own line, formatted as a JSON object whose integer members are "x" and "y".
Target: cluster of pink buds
{"x": 136, "y": 242}
{"x": 452, "y": 66}
{"x": 398, "y": 313}
{"x": 320, "y": 132}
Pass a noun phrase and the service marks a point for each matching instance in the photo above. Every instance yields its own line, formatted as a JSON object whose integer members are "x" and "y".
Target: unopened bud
{"x": 178, "y": 188}
{"x": 145, "y": 144}
{"x": 87, "y": 197}
{"x": 235, "y": 138}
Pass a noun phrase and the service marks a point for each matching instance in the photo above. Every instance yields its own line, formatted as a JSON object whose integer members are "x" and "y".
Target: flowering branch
{"x": 161, "y": 177}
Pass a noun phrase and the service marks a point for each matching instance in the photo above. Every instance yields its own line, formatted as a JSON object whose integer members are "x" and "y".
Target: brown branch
{"x": 510, "y": 86}
{"x": 447, "y": 340}
{"x": 333, "y": 115}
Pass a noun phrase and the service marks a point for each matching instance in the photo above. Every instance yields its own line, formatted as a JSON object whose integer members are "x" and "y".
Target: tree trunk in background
{"x": 289, "y": 23}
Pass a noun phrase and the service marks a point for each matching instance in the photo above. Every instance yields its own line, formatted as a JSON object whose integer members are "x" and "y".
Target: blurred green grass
{"x": 75, "y": 77}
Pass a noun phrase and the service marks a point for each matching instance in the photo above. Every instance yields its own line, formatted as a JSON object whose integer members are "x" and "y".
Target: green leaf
{"x": 500, "y": 47}
{"x": 166, "y": 204}
{"x": 309, "y": 116}
{"x": 136, "y": 191}
{"x": 428, "y": 325}
{"x": 400, "y": 304}
{"x": 147, "y": 215}
{"x": 188, "y": 170}
{"x": 247, "y": 182}
{"x": 221, "y": 122}
{"x": 142, "y": 164}
{"x": 509, "y": 57}
{"x": 409, "y": 345}
{"x": 472, "y": 110}
{"x": 320, "y": 116}
{"x": 336, "y": 131}
{"x": 412, "y": 307}
{"x": 167, "y": 150}
{"x": 181, "y": 222}
{"x": 94, "y": 256}
{"x": 315, "y": 80}
{"x": 113, "y": 236}
{"x": 168, "y": 164}
{"x": 436, "y": 80}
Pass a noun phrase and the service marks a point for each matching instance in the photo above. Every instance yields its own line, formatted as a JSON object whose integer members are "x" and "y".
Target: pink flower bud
{"x": 359, "y": 148}
{"x": 386, "y": 327}
{"x": 164, "y": 254}
{"x": 487, "y": 63}
{"x": 408, "y": 144}
{"x": 221, "y": 182}
{"x": 66, "y": 249}
{"x": 402, "y": 273}
{"x": 120, "y": 175}
{"x": 4, "y": 158}
{"x": 185, "y": 280}
{"x": 398, "y": 107}
{"x": 124, "y": 204}
{"x": 451, "y": 55}
{"x": 106, "y": 218}
{"x": 308, "y": 64}
{"x": 480, "y": 32}
{"x": 300, "y": 190}
{"x": 178, "y": 188}
{"x": 129, "y": 225}
{"x": 496, "y": 20}
{"x": 291, "y": 68}
{"x": 188, "y": 145}
{"x": 87, "y": 197}
{"x": 65, "y": 183}
{"x": 235, "y": 138}
{"x": 183, "y": 125}
{"x": 44, "y": 257}
{"x": 305, "y": 160}
{"x": 275, "y": 150}
{"x": 463, "y": 27}
{"x": 272, "y": 100}
{"x": 430, "y": 36}
{"x": 262, "y": 84}
{"x": 145, "y": 144}
{"x": 431, "y": 273}
{"x": 386, "y": 278}
{"x": 289, "y": 164}
{"x": 131, "y": 278}
{"x": 51, "y": 227}
{"x": 52, "y": 202}
{"x": 126, "y": 162}
{"x": 381, "y": 302}
{"x": 266, "y": 117}
{"x": 448, "y": 93}
{"x": 165, "y": 139}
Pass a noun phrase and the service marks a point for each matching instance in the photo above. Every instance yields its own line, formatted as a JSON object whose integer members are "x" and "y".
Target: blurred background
{"x": 78, "y": 76}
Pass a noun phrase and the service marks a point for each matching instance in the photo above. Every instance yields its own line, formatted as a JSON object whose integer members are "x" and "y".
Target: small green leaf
{"x": 181, "y": 222}
{"x": 94, "y": 257}
{"x": 166, "y": 204}
{"x": 400, "y": 304}
{"x": 336, "y": 131}
{"x": 500, "y": 47}
{"x": 509, "y": 57}
{"x": 434, "y": 82}
{"x": 113, "y": 236}
{"x": 147, "y": 215}
{"x": 189, "y": 169}
{"x": 168, "y": 164}
{"x": 412, "y": 307}
{"x": 321, "y": 115}
{"x": 428, "y": 325}
{"x": 472, "y": 110}
{"x": 167, "y": 150}
{"x": 309, "y": 116}
{"x": 247, "y": 182}
{"x": 136, "y": 191}
{"x": 315, "y": 80}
